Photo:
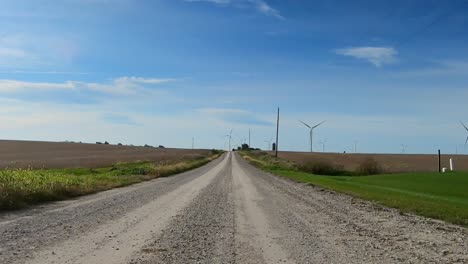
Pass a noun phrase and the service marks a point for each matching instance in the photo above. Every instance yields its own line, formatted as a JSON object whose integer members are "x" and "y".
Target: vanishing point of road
{"x": 224, "y": 212}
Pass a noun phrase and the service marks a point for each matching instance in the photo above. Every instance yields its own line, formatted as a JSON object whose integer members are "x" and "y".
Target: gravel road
{"x": 225, "y": 212}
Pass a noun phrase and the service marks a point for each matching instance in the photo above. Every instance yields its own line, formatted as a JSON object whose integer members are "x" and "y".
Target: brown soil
{"x": 391, "y": 163}
{"x": 35, "y": 154}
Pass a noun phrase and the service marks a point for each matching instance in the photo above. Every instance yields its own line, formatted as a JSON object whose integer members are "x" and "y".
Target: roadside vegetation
{"x": 436, "y": 195}
{"x": 22, "y": 187}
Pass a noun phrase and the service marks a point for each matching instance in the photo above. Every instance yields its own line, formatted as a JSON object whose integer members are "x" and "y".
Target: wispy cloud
{"x": 12, "y": 53}
{"x": 375, "y": 55}
{"x": 119, "y": 119}
{"x": 441, "y": 68}
{"x": 236, "y": 116}
{"x": 259, "y": 5}
{"x": 19, "y": 86}
{"x": 118, "y": 86}
{"x": 44, "y": 72}
{"x": 220, "y": 2}
{"x": 266, "y": 9}
{"x": 143, "y": 80}
{"x": 36, "y": 51}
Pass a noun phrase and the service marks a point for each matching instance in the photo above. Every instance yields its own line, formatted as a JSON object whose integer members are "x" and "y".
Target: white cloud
{"x": 259, "y": 5}
{"x": 142, "y": 80}
{"x": 211, "y": 1}
{"x": 17, "y": 86}
{"x": 29, "y": 51}
{"x": 266, "y": 9}
{"x": 118, "y": 86}
{"x": 12, "y": 52}
{"x": 222, "y": 111}
{"x": 375, "y": 55}
{"x": 237, "y": 116}
{"x": 45, "y": 72}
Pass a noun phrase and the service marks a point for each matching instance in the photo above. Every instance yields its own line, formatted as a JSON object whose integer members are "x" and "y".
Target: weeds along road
{"x": 225, "y": 212}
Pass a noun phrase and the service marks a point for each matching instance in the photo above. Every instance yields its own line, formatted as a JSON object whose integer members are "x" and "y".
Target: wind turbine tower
{"x": 269, "y": 144}
{"x": 323, "y": 142}
{"x": 403, "y": 148}
{"x": 229, "y": 136}
{"x": 311, "y": 133}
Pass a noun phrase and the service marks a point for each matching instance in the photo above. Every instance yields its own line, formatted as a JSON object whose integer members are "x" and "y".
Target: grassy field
{"x": 390, "y": 163}
{"x": 434, "y": 195}
{"x": 22, "y": 187}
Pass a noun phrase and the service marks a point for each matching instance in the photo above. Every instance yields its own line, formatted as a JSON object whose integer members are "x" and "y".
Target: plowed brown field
{"x": 35, "y": 154}
{"x": 391, "y": 163}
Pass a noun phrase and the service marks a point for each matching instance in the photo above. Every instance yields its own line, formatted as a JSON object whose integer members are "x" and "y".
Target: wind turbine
{"x": 311, "y": 133}
{"x": 466, "y": 141}
{"x": 230, "y": 138}
{"x": 403, "y": 148}
{"x": 323, "y": 142}
{"x": 269, "y": 144}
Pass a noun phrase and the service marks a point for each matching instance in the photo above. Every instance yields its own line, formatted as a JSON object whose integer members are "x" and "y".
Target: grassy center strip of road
{"x": 434, "y": 195}
{"x": 23, "y": 187}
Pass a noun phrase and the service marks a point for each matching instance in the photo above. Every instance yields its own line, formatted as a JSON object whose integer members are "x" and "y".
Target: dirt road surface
{"x": 225, "y": 212}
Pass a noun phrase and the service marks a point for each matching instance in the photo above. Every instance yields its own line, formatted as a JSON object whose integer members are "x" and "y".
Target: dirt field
{"x": 22, "y": 154}
{"x": 390, "y": 162}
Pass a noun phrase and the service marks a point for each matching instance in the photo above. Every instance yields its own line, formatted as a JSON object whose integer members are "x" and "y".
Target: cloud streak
{"x": 378, "y": 56}
{"x": 442, "y": 68}
{"x": 236, "y": 116}
{"x": 259, "y": 5}
{"x": 118, "y": 86}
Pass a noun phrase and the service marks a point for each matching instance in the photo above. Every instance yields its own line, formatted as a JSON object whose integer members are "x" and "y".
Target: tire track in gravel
{"x": 256, "y": 239}
{"x": 319, "y": 226}
{"x": 76, "y": 230}
{"x": 202, "y": 233}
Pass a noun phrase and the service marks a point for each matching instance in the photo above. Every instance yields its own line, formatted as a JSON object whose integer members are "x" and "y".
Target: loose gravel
{"x": 225, "y": 212}
{"x": 202, "y": 233}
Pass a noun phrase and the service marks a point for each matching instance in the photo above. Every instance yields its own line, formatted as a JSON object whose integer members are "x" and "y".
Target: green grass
{"x": 22, "y": 187}
{"x": 434, "y": 195}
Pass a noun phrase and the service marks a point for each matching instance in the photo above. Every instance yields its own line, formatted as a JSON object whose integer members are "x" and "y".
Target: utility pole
{"x": 440, "y": 165}
{"x": 277, "y": 132}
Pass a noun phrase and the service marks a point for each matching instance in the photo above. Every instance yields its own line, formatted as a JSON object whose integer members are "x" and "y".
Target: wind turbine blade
{"x": 464, "y": 125}
{"x": 466, "y": 141}
{"x": 318, "y": 124}
{"x": 305, "y": 124}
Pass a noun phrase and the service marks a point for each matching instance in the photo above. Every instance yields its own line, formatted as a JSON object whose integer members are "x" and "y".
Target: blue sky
{"x": 382, "y": 73}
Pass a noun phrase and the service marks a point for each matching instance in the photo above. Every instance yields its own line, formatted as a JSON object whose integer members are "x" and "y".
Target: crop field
{"x": 437, "y": 195}
{"x": 35, "y": 154}
{"x": 390, "y": 163}
{"x": 35, "y": 172}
